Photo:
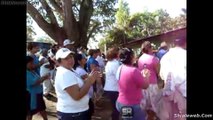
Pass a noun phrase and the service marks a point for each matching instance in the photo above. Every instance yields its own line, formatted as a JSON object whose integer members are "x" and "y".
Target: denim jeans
{"x": 73, "y": 116}
{"x": 138, "y": 113}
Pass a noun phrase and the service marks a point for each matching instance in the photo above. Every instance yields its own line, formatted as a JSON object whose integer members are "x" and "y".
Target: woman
{"x": 148, "y": 61}
{"x": 70, "y": 89}
{"x": 79, "y": 67}
{"x": 111, "y": 84}
{"x": 35, "y": 90}
{"x": 93, "y": 64}
{"x": 130, "y": 83}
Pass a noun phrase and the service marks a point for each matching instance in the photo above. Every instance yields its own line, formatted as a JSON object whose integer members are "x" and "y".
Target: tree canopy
{"x": 78, "y": 20}
{"x": 140, "y": 25}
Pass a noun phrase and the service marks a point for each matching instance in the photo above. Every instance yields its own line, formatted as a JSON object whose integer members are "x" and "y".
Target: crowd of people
{"x": 152, "y": 87}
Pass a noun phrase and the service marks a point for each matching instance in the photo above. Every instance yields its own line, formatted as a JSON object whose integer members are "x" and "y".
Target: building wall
{"x": 157, "y": 39}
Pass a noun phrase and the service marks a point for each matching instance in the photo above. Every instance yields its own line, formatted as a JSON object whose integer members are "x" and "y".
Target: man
{"x": 162, "y": 50}
{"x": 43, "y": 56}
{"x": 69, "y": 44}
{"x": 173, "y": 72}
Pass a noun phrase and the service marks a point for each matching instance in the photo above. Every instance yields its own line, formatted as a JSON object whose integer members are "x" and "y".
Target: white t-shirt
{"x": 66, "y": 104}
{"x": 44, "y": 70}
{"x": 111, "y": 68}
{"x": 81, "y": 71}
{"x": 100, "y": 62}
{"x": 43, "y": 58}
{"x": 174, "y": 62}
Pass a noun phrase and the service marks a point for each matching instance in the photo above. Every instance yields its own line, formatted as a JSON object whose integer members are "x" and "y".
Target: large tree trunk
{"x": 70, "y": 23}
{"x": 85, "y": 14}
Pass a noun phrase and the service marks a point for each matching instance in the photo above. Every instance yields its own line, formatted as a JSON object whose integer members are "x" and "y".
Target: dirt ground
{"x": 100, "y": 114}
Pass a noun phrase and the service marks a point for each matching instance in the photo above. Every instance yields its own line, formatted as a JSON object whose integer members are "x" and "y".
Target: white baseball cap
{"x": 68, "y": 41}
{"x": 50, "y": 53}
{"x": 62, "y": 53}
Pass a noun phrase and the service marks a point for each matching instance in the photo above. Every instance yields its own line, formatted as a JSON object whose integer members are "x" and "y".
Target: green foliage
{"x": 103, "y": 16}
{"x": 102, "y": 43}
{"x": 122, "y": 15}
{"x": 141, "y": 25}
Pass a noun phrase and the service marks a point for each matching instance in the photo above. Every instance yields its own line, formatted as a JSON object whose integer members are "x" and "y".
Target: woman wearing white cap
{"x": 71, "y": 90}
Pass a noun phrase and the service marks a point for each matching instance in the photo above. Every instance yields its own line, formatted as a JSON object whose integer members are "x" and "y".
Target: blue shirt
{"x": 160, "y": 53}
{"x": 36, "y": 62}
{"x": 33, "y": 90}
{"x": 90, "y": 61}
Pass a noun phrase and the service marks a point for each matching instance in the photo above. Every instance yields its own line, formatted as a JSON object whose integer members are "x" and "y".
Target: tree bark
{"x": 55, "y": 32}
{"x": 70, "y": 23}
{"x": 86, "y": 11}
{"x": 56, "y": 6}
{"x": 72, "y": 29}
{"x": 49, "y": 11}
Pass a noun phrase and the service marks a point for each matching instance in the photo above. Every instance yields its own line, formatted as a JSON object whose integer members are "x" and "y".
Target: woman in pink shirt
{"x": 148, "y": 61}
{"x": 130, "y": 83}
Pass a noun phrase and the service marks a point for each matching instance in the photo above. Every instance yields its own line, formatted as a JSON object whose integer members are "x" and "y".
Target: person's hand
{"x": 93, "y": 76}
{"x": 43, "y": 61}
{"x": 145, "y": 73}
{"x": 47, "y": 76}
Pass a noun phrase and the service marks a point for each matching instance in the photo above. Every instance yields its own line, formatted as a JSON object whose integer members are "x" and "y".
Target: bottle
{"x": 144, "y": 69}
{"x": 145, "y": 66}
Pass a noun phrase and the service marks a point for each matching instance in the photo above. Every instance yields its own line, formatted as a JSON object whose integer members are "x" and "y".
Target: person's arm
{"x": 40, "y": 63}
{"x": 76, "y": 92}
{"x": 157, "y": 66}
{"x": 164, "y": 67}
{"x": 31, "y": 83}
{"x": 93, "y": 67}
{"x": 40, "y": 80}
{"x": 142, "y": 78}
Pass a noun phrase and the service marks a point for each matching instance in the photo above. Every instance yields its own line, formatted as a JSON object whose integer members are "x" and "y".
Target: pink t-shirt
{"x": 150, "y": 62}
{"x": 130, "y": 85}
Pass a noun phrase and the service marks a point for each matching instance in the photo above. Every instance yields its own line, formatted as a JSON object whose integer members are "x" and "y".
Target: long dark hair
{"x": 126, "y": 55}
{"x": 29, "y": 59}
{"x": 52, "y": 63}
{"x": 77, "y": 58}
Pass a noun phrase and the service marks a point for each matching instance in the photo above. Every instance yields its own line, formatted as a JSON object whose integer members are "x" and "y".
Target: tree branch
{"x": 92, "y": 31}
{"x": 49, "y": 12}
{"x": 42, "y": 23}
{"x": 36, "y": 15}
{"x": 76, "y": 7}
{"x": 57, "y": 7}
{"x": 86, "y": 11}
